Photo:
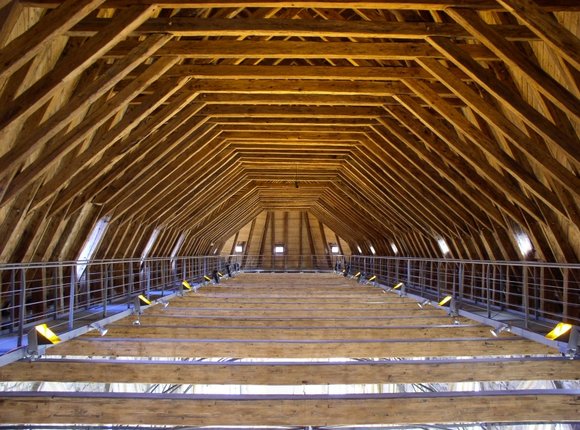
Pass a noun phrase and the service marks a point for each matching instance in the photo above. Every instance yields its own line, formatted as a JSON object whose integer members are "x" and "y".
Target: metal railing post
{"x": 22, "y": 310}
{"x": 565, "y": 282}
{"x": 525, "y": 295}
{"x": 131, "y": 281}
{"x": 460, "y": 284}
{"x": 147, "y": 279}
{"x": 71, "y": 305}
{"x": 488, "y": 290}
{"x": 438, "y": 281}
{"x": 12, "y": 299}
{"x": 88, "y": 283}
{"x": 105, "y": 285}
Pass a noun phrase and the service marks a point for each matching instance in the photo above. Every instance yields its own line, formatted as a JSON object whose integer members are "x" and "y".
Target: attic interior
{"x": 394, "y": 152}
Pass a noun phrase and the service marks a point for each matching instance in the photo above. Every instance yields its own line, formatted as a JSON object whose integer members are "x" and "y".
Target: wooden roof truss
{"x": 450, "y": 119}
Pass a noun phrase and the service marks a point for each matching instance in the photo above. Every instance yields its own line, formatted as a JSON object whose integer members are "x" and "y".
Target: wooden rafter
{"x": 407, "y": 120}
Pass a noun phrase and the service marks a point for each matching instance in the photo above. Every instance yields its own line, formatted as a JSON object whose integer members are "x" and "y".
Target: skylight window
{"x": 443, "y": 246}
{"x": 394, "y": 248}
{"x": 178, "y": 245}
{"x": 239, "y": 249}
{"x": 279, "y": 249}
{"x": 359, "y": 250}
{"x": 150, "y": 243}
{"x": 176, "y": 249}
{"x": 524, "y": 243}
{"x": 334, "y": 249}
{"x": 91, "y": 245}
{"x": 372, "y": 248}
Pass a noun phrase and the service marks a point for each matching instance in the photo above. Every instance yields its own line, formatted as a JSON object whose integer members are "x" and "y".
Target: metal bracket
{"x": 572, "y": 350}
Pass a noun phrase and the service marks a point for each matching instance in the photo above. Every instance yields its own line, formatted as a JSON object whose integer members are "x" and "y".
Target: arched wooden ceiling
{"x": 387, "y": 120}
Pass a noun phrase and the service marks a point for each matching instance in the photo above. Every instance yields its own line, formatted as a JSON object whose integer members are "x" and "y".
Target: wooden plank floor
{"x": 273, "y": 318}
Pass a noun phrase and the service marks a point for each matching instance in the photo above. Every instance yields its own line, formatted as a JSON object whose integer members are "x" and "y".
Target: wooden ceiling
{"x": 387, "y": 120}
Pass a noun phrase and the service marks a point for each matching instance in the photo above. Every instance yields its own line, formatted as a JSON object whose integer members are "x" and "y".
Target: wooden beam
{"x": 289, "y": 322}
{"x": 435, "y": 167}
{"x": 94, "y": 120}
{"x": 77, "y": 61}
{"x": 377, "y": 372}
{"x": 305, "y": 50}
{"x": 391, "y": 194}
{"x": 433, "y": 181}
{"x": 296, "y": 349}
{"x": 566, "y": 44}
{"x": 239, "y": 86}
{"x": 491, "y": 148}
{"x": 170, "y": 151}
{"x": 220, "y": 71}
{"x": 551, "y": 166}
{"x": 188, "y": 27}
{"x": 167, "y": 121}
{"x": 463, "y": 168}
{"x": 22, "y": 49}
{"x": 9, "y": 14}
{"x": 449, "y": 331}
{"x": 505, "y": 50}
{"x": 111, "y": 146}
{"x": 559, "y": 138}
{"x": 430, "y": 5}
{"x": 88, "y": 95}
{"x": 168, "y": 409}
{"x": 256, "y": 111}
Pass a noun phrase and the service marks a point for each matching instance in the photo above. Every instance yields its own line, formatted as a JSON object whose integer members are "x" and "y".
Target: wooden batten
{"x": 176, "y": 410}
{"x": 385, "y": 372}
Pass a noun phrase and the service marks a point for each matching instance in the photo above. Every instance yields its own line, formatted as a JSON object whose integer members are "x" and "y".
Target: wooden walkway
{"x": 283, "y": 321}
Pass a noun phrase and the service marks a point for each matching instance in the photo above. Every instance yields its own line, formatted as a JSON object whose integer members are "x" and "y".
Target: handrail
{"x": 530, "y": 294}
{"x": 524, "y": 296}
{"x": 66, "y": 294}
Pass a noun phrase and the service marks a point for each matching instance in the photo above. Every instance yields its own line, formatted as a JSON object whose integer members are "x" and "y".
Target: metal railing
{"x": 289, "y": 263}
{"x": 62, "y": 293}
{"x": 70, "y": 294}
{"x": 534, "y": 293}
